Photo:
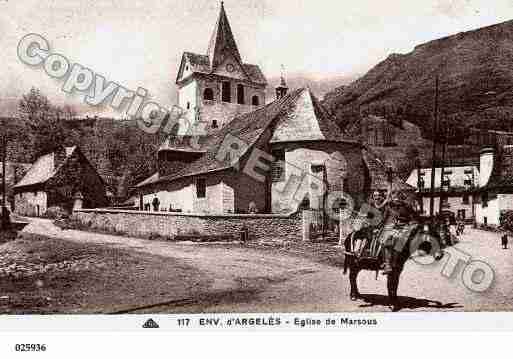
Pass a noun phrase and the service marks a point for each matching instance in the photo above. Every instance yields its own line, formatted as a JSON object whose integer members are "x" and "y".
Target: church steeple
{"x": 282, "y": 89}
{"x": 222, "y": 42}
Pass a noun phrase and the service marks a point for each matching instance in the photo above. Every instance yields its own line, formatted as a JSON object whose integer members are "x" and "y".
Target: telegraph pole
{"x": 433, "y": 162}
{"x": 419, "y": 179}
{"x": 4, "y": 212}
{"x": 442, "y": 168}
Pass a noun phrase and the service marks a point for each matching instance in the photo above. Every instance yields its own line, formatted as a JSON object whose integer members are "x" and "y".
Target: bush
{"x": 506, "y": 220}
{"x": 56, "y": 213}
{"x": 69, "y": 223}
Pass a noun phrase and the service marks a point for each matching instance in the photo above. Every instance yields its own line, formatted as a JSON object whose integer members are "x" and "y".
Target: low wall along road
{"x": 265, "y": 227}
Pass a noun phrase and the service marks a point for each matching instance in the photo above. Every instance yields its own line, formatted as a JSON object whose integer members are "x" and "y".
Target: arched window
{"x": 255, "y": 100}
{"x": 208, "y": 94}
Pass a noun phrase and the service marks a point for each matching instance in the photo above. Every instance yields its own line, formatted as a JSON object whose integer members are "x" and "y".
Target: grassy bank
{"x": 42, "y": 275}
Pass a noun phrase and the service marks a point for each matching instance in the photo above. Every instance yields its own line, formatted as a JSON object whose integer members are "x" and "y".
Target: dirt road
{"x": 250, "y": 280}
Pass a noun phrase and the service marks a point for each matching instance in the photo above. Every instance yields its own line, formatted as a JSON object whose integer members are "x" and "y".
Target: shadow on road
{"x": 405, "y": 302}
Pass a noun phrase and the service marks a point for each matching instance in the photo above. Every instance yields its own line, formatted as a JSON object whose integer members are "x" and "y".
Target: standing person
{"x": 397, "y": 226}
{"x": 504, "y": 241}
{"x": 156, "y": 204}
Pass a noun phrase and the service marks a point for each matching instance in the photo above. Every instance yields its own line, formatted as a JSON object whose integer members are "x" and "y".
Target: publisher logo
{"x": 150, "y": 323}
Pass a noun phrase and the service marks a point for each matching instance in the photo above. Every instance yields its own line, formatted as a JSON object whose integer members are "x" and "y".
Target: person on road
{"x": 156, "y": 204}
{"x": 397, "y": 217}
{"x": 504, "y": 240}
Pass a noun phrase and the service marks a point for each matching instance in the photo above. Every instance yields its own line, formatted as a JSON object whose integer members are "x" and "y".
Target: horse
{"x": 357, "y": 244}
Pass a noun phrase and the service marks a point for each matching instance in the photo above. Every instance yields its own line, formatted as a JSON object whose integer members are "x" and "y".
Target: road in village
{"x": 250, "y": 280}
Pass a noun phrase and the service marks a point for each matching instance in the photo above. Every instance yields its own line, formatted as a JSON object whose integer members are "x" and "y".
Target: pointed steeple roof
{"x": 308, "y": 120}
{"x": 222, "y": 41}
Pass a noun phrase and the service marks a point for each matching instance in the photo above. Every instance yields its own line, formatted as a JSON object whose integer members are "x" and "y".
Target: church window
{"x": 226, "y": 93}
{"x": 278, "y": 166}
{"x": 214, "y": 124}
{"x": 240, "y": 94}
{"x": 201, "y": 188}
{"x": 208, "y": 94}
{"x": 255, "y": 101}
{"x": 188, "y": 105}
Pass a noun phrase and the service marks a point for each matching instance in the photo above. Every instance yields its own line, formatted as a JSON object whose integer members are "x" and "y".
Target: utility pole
{"x": 433, "y": 162}
{"x": 442, "y": 167}
{"x": 4, "y": 214}
{"x": 419, "y": 179}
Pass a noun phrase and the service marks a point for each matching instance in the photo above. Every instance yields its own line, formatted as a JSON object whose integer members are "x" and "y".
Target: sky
{"x": 139, "y": 43}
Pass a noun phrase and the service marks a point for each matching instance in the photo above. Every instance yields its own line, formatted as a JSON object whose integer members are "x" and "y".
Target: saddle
{"x": 366, "y": 243}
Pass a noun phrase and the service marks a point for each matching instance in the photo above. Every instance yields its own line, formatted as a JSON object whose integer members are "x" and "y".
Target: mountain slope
{"x": 476, "y": 81}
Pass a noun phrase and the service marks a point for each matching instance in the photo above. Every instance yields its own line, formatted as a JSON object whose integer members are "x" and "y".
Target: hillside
{"x": 476, "y": 81}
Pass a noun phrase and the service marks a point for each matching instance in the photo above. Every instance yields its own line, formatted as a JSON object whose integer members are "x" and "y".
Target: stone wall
{"x": 261, "y": 227}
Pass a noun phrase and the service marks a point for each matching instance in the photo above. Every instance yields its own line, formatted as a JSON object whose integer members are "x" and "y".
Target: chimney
{"x": 59, "y": 155}
{"x": 486, "y": 161}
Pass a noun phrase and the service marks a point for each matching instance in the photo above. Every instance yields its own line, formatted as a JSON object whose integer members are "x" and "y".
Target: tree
{"x": 43, "y": 121}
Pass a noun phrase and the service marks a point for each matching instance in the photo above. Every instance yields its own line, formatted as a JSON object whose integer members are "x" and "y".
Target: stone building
{"x": 457, "y": 188}
{"x": 64, "y": 178}
{"x": 474, "y": 191}
{"x": 286, "y": 155}
{"x": 215, "y": 87}
{"x": 496, "y": 192}
{"x": 378, "y": 131}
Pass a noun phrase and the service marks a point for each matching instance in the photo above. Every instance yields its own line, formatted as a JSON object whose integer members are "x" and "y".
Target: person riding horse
{"x": 396, "y": 226}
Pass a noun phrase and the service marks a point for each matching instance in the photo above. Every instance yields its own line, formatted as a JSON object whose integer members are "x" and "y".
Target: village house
{"x": 377, "y": 131}
{"x": 63, "y": 178}
{"x": 477, "y": 192}
{"x": 457, "y": 188}
{"x": 496, "y": 181}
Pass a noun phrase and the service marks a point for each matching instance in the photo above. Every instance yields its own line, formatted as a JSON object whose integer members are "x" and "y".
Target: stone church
{"x": 289, "y": 152}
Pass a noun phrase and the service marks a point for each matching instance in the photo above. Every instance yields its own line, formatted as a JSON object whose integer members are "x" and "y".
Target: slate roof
{"x": 250, "y": 126}
{"x": 221, "y": 45}
{"x": 184, "y": 143}
{"x": 222, "y": 41}
{"x": 201, "y": 64}
{"x": 43, "y": 169}
{"x": 307, "y": 120}
{"x": 501, "y": 177}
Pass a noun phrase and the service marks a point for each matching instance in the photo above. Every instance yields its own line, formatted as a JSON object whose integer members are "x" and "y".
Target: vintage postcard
{"x": 256, "y": 164}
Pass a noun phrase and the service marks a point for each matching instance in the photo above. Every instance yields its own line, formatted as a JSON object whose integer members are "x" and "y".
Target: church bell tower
{"x": 215, "y": 87}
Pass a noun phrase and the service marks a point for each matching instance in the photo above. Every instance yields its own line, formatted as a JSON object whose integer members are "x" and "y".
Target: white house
{"x": 456, "y": 187}
{"x": 496, "y": 181}
{"x": 472, "y": 191}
